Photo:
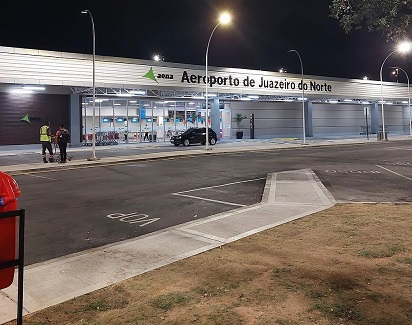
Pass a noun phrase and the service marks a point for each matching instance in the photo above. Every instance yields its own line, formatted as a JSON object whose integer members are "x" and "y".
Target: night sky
{"x": 259, "y": 37}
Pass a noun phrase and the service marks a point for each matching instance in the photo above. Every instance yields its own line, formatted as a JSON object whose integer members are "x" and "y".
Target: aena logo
{"x": 26, "y": 118}
{"x": 150, "y": 75}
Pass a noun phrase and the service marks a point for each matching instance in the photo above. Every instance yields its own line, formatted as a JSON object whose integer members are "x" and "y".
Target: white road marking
{"x": 210, "y": 200}
{"x": 205, "y": 188}
{"x": 28, "y": 174}
{"x": 391, "y": 171}
{"x": 398, "y": 148}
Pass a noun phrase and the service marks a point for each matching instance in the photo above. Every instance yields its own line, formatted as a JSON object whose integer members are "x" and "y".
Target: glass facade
{"x": 130, "y": 120}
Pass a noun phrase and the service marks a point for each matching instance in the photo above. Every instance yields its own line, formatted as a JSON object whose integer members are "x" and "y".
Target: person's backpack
{"x": 65, "y": 136}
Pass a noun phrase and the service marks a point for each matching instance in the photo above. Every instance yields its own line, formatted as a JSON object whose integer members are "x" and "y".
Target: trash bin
{"x": 382, "y": 136}
{"x": 9, "y": 192}
{"x": 152, "y": 137}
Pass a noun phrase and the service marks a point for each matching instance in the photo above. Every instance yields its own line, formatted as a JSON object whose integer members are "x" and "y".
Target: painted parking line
{"x": 393, "y": 172}
{"x": 398, "y": 148}
{"x": 216, "y": 186}
{"x": 38, "y": 176}
{"x": 209, "y": 200}
{"x": 222, "y": 185}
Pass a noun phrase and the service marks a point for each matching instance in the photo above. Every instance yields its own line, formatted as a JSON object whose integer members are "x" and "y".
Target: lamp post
{"x": 303, "y": 97}
{"x": 402, "y": 48}
{"x": 94, "y": 86}
{"x": 409, "y": 99}
{"x": 225, "y": 18}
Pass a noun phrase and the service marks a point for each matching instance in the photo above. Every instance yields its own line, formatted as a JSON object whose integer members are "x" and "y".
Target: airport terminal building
{"x": 133, "y": 96}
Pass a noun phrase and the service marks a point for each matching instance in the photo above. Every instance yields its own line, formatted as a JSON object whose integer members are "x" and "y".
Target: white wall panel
{"x": 71, "y": 69}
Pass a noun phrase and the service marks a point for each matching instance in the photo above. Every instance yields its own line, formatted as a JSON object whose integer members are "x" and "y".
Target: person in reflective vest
{"x": 45, "y": 140}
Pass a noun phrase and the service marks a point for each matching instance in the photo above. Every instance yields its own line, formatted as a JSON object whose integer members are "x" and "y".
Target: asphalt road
{"x": 73, "y": 210}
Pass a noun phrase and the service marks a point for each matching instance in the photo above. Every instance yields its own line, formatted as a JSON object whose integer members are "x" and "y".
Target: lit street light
{"x": 94, "y": 87}
{"x": 303, "y": 96}
{"x": 158, "y": 57}
{"x": 409, "y": 98}
{"x": 402, "y": 48}
{"x": 224, "y": 19}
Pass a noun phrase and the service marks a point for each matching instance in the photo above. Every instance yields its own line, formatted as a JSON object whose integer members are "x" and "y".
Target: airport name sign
{"x": 249, "y": 82}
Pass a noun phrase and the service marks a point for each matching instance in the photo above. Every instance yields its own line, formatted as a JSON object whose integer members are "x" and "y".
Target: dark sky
{"x": 261, "y": 34}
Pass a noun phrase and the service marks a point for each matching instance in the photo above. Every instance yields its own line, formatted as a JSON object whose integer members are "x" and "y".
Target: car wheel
{"x": 186, "y": 142}
{"x": 176, "y": 144}
{"x": 212, "y": 141}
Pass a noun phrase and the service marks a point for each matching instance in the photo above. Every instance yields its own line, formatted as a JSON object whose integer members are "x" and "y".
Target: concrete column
{"x": 75, "y": 120}
{"x": 308, "y": 119}
{"x": 374, "y": 118}
{"x": 215, "y": 116}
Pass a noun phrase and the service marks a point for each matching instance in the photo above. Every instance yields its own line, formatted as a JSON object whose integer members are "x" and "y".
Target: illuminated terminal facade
{"x": 134, "y": 96}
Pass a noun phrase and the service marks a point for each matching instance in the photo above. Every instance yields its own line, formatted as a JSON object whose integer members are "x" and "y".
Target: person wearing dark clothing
{"x": 45, "y": 140}
{"x": 62, "y": 138}
{"x": 146, "y": 133}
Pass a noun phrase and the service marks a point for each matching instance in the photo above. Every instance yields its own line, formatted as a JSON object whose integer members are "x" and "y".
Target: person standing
{"x": 45, "y": 140}
{"x": 146, "y": 133}
{"x": 63, "y": 138}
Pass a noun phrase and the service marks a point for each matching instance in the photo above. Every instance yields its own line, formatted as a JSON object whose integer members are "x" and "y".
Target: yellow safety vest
{"x": 44, "y": 134}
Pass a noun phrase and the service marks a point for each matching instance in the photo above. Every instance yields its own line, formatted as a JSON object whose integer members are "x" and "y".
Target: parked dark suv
{"x": 194, "y": 135}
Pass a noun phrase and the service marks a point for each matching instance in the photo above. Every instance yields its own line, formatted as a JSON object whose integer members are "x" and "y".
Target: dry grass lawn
{"x": 351, "y": 264}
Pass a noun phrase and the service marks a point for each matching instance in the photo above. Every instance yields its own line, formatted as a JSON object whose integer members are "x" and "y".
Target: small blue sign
{"x": 105, "y": 120}
{"x": 120, "y": 120}
{"x": 135, "y": 120}
{"x": 143, "y": 113}
{"x": 177, "y": 120}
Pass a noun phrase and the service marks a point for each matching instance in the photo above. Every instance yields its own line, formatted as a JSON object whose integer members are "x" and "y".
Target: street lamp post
{"x": 303, "y": 97}
{"x": 403, "y": 48}
{"x": 94, "y": 86}
{"x": 409, "y": 99}
{"x": 224, "y": 19}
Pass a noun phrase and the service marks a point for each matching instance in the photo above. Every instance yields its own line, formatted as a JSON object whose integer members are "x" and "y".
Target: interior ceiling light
{"x": 245, "y": 98}
{"x": 405, "y": 102}
{"x": 21, "y": 91}
{"x": 365, "y": 103}
{"x": 253, "y": 97}
{"x": 348, "y": 100}
{"x": 34, "y": 88}
{"x": 333, "y": 101}
{"x": 137, "y": 92}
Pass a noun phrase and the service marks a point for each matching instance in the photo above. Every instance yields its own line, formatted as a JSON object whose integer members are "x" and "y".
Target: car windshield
{"x": 188, "y": 131}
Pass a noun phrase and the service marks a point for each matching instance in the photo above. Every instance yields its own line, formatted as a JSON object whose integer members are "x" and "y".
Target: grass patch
{"x": 341, "y": 310}
{"x": 169, "y": 301}
{"x": 405, "y": 260}
{"x": 101, "y": 305}
{"x": 388, "y": 251}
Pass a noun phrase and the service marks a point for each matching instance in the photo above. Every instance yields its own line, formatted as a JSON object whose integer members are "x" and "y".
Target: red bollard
{"x": 9, "y": 192}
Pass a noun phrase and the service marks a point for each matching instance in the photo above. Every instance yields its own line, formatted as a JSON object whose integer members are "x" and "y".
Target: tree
{"x": 391, "y": 17}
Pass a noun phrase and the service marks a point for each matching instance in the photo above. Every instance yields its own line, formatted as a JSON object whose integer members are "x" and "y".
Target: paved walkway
{"x": 287, "y": 196}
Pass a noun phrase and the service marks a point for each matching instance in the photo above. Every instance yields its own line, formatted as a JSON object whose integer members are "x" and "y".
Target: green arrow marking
{"x": 26, "y": 118}
{"x": 150, "y": 75}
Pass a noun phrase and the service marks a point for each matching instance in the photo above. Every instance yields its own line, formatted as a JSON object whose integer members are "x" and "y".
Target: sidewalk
{"x": 287, "y": 196}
